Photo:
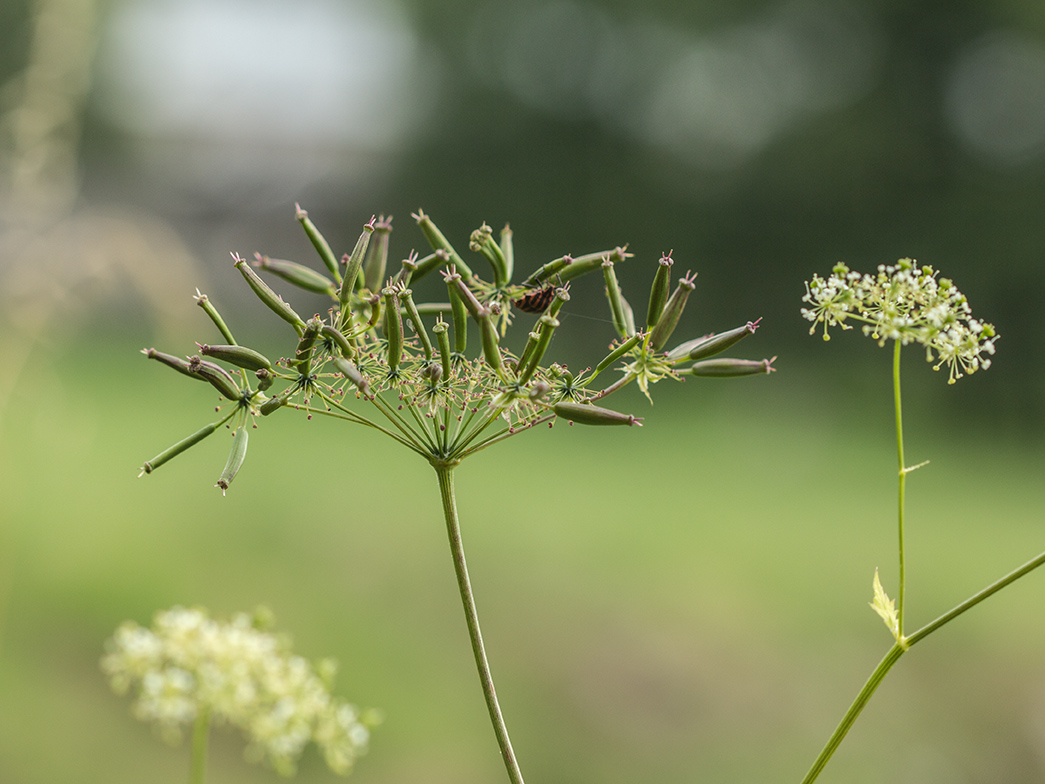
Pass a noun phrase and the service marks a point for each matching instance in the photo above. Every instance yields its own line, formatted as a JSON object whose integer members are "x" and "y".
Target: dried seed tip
{"x": 236, "y": 458}
{"x": 351, "y": 372}
{"x": 586, "y": 414}
{"x": 217, "y": 376}
{"x": 709, "y": 345}
{"x": 178, "y": 448}
{"x": 240, "y": 356}
{"x": 728, "y": 368}
{"x": 659, "y": 290}
{"x": 439, "y": 242}
{"x": 669, "y": 319}
{"x": 297, "y": 274}
{"x": 265, "y": 379}
{"x": 338, "y": 339}
{"x": 271, "y": 299}
{"x": 318, "y": 242}
{"x": 179, "y": 364}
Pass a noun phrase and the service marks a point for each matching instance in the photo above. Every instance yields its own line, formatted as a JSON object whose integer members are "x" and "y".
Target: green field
{"x": 685, "y": 602}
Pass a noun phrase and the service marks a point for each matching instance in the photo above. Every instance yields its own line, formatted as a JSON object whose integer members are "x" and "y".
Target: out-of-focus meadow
{"x": 682, "y": 602}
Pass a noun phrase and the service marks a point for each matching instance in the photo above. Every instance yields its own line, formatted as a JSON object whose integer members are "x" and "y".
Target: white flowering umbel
{"x": 906, "y": 303}
{"x": 190, "y": 669}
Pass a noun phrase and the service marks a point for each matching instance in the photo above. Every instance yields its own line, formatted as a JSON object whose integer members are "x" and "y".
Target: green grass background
{"x": 681, "y": 602}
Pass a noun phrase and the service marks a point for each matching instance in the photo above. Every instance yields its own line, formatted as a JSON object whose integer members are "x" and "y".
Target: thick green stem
{"x": 849, "y": 719}
{"x": 200, "y": 732}
{"x": 453, "y": 529}
{"x": 900, "y": 603}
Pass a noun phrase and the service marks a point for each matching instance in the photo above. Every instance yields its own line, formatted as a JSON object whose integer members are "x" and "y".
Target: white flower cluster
{"x": 189, "y": 665}
{"x": 907, "y": 303}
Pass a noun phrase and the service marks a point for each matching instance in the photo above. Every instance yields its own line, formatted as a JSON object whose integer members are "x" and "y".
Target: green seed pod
{"x": 272, "y": 405}
{"x": 709, "y": 345}
{"x": 351, "y": 372}
{"x": 236, "y": 458}
{"x": 613, "y": 295}
{"x": 377, "y": 254}
{"x": 585, "y": 414}
{"x": 354, "y": 264}
{"x": 178, "y": 448}
{"x": 204, "y": 302}
{"x": 306, "y": 345}
{"x": 658, "y": 295}
{"x": 546, "y": 271}
{"x": 339, "y": 340}
{"x": 590, "y": 262}
{"x": 669, "y": 319}
{"x": 629, "y": 316}
{"x": 439, "y": 242}
{"x": 459, "y": 313}
{"x": 240, "y": 356}
{"x": 455, "y": 282}
{"x": 271, "y": 299}
{"x": 488, "y": 331}
{"x": 320, "y": 244}
{"x": 393, "y": 329}
{"x": 217, "y": 376}
{"x": 548, "y": 323}
{"x": 428, "y": 263}
{"x": 298, "y": 274}
{"x": 508, "y": 252}
{"x": 406, "y": 296}
{"x": 443, "y": 340}
{"x": 482, "y": 242}
{"x": 179, "y": 364}
{"x": 618, "y": 352}
{"x": 729, "y": 368}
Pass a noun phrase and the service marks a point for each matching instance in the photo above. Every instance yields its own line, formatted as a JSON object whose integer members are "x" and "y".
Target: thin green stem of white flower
{"x": 900, "y": 598}
{"x": 453, "y": 527}
{"x": 200, "y": 735}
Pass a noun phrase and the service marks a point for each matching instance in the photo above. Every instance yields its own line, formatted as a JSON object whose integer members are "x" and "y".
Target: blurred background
{"x": 680, "y": 603}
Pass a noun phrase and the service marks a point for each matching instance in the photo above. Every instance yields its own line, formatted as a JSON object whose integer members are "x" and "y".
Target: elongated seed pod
{"x": 439, "y": 242}
{"x": 430, "y": 262}
{"x": 318, "y": 242}
{"x": 488, "y": 332}
{"x": 208, "y": 307}
{"x": 274, "y": 404}
{"x": 178, "y": 448}
{"x": 456, "y": 282}
{"x": 406, "y": 297}
{"x": 669, "y": 319}
{"x": 585, "y": 414}
{"x": 544, "y": 272}
{"x": 658, "y": 295}
{"x": 240, "y": 356}
{"x": 442, "y": 339}
{"x": 731, "y": 368}
{"x": 339, "y": 340}
{"x": 265, "y": 379}
{"x": 459, "y": 314}
{"x": 407, "y": 270}
{"x": 306, "y": 346}
{"x": 217, "y": 376}
{"x": 179, "y": 364}
{"x": 236, "y": 458}
{"x": 618, "y": 352}
{"x": 548, "y": 323}
{"x": 301, "y": 276}
{"x": 354, "y": 263}
{"x": 272, "y": 300}
{"x": 351, "y": 372}
{"x": 613, "y": 295}
{"x": 629, "y": 316}
{"x": 482, "y": 242}
{"x": 377, "y": 254}
{"x": 709, "y": 345}
{"x": 590, "y": 262}
{"x": 393, "y": 329}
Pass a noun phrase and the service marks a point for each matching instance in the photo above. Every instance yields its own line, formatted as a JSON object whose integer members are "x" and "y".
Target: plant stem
{"x": 453, "y": 528}
{"x": 903, "y": 484}
{"x": 200, "y": 731}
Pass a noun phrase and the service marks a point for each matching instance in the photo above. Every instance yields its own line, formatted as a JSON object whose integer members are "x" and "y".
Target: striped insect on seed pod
{"x": 536, "y": 300}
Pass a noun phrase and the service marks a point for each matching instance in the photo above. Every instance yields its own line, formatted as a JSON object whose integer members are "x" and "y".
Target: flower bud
{"x": 669, "y": 319}
{"x": 298, "y": 274}
{"x": 217, "y": 376}
{"x": 658, "y": 296}
{"x": 271, "y": 299}
{"x": 725, "y": 368}
{"x": 178, "y": 448}
{"x": 709, "y": 345}
{"x": 265, "y": 379}
{"x": 240, "y": 356}
{"x": 236, "y": 458}
{"x": 586, "y": 414}
{"x": 320, "y": 244}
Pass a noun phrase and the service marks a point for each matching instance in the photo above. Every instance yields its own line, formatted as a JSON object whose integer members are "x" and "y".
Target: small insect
{"x": 535, "y": 300}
